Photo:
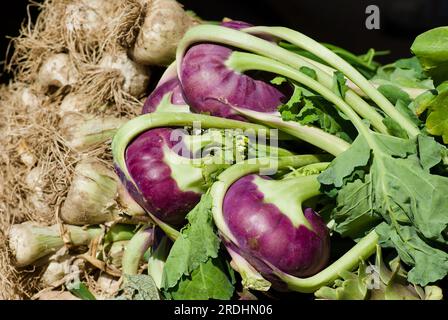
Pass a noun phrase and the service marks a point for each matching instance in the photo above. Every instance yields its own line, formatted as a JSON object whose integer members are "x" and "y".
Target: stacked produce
{"x": 263, "y": 162}
{"x": 75, "y": 80}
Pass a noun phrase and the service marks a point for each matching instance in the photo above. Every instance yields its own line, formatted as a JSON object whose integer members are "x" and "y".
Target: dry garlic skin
{"x": 56, "y": 71}
{"x": 164, "y": 26}
{"x": 135, "y": 77}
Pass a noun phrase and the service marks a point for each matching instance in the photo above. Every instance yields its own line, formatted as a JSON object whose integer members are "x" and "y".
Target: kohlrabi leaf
{"x": 352, "y": 286}
{"x": 309, "y": 72}
{"x": 208, "y": 281}
{"x": 397, "y": 187}
{"x": 429, "y": 263}
{"x": 307, "y": 108}
{"x": 431, "y": 48}
{"x": 394, "y": 93}
{"x": 339, "y": 84}
{"x": 80, "y": 290}
{"x": 344, "y": 165}
{"x": 197, "y": 243}
{"x": 364, "y": 63}
{"x": 406, "y": 108}
{"x": 403, "y": 73}
{"x": 430, "y": 152}
{"x": 140, "y": 287}
{"x": 377, "y": 282}
{"x": 279, "y": 80}
{"x": 355, "y": 223}
{"x": 394, "y": 128}
{"x": 437, "y": 120}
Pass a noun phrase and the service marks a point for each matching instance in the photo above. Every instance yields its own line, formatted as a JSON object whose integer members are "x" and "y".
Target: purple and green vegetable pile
{"x": 344, "y": 198}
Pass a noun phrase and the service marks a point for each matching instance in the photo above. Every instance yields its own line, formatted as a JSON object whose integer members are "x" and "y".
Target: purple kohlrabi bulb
{"x": 158, "y": 191}
{"x": 210, "y": 86}
{"x": 266, "y": 236}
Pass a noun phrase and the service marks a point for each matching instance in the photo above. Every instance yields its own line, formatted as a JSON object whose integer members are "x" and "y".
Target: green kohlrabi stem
{"x": 294, "y": 192}
{"x": 242, "y": 62}
{"x": 136, "y": 249}
{"x": 412, "y": 92}
{"x": 245, "y": 41}
{"x": 350, "y": 260}
{"x": 166, "y": 106}
{"x": 315, "y": 136}
{"x": 337, "y": 62}
{"x": 157, "y": 259}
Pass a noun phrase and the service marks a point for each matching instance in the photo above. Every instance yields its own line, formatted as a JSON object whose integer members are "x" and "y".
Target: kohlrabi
{"x": 272, "y": 237}
{"x": 210, "y": 86}
{"x": 232, "y": 65}
{"x": 266, "y": 218}
{"x": 389, "y": 177}
{"x": 166, "y": 170}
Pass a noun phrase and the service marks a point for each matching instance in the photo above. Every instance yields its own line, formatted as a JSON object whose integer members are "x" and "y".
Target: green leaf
{"x": 394, "y": 128}
{"x": 431, "y": 48}
{"x": 309, "y": 72}
{"x": 309, "y": 113}
{"x": 357, "y": 156}
{"x": 403, "y": 73}
{"x": 196, "y": 244}
{"x": 307, "y": 108}
{"x": 437, "y": 121}
{"x": 422, "y": 102}
{"x": 80, "y": 290}
{"x": 208, "y": 281}
{"x": 352, "y": 286}
{"x": 355, "y": 223}
{"x": 394, "y": 93}
{"x": 430, "y": 264}
{"x": 407, "y": 109}
{"x": 140, "y": 287}
{"x": 339, "y": 84}
{"x": 398, "y": 187}
{"x": 430, "y": 152}
{"x": 279, "y": 80}
{"x": 377, "y": 282}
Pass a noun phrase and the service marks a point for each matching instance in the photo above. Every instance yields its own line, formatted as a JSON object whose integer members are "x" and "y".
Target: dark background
{"x": 340, "y": 22}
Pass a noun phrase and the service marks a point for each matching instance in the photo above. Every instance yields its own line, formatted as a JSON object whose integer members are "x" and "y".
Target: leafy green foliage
{"x": 80, "y": 290}
{"x": 196, "y": 244}
{"x": 403, "y": 73}
{"x": 339, "y": 84}
{"x": 309, "y": 72}
{"x": 208, "y": 281}
{"x": 377, "y": 282}
{"x": 308, "y": 108}
{"x": 394, "y": 93}
{"x": 437, "y": 118}
{"x": 430, "y": 264}
{"x": 139, "y": 287}
{"x": 389, "y": 177}
{"x": 431, "y": 48}
{"x": 192, "y": 269}
{"x": 364, "y": 63}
